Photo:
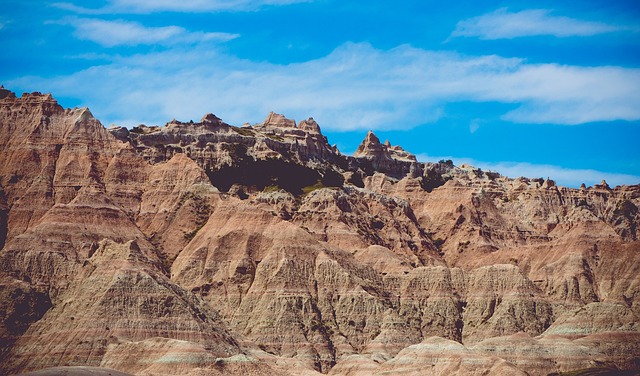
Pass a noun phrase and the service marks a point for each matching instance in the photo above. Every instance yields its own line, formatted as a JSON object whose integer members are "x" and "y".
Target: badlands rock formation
{"x": 203, "y": 248}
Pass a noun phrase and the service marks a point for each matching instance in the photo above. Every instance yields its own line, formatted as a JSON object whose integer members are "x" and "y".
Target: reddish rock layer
{"x": 203, "y": 248}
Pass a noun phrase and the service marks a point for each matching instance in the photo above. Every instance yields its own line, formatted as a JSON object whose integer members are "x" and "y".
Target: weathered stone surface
{"x": 392, "y": 160}
{"x": 46, "y": 154}
{"x": 117, "y": 297}
{"x": 205, "y": 249}
{"x": 76, "y": 371}
{"x": 433, "y": 356}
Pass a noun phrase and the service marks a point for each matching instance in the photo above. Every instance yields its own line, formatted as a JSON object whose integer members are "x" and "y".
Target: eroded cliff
{"x": 205, "y": 248}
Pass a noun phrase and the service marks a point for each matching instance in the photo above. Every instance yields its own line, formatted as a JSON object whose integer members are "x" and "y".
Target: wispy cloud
{"x": 354, "y": 87}
{"x": 5, "y": 22}
{"x": 475, "y": 125}
{"x": 560, "y": 94}
{"x": 186, "y": 6}
{"x": 127, "y": 33}
{"x": 567, "y": 177}
{"x": 503, "y": 24}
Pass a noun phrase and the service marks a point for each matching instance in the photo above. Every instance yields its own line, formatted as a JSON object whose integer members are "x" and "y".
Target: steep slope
{"x": 204, "y": 248}
{"x": 81, "y": 275}
{"x": 47, "y": 154}
{"x": 116, "y": 300}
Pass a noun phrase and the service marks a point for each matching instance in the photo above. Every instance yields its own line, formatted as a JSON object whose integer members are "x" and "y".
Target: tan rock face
{"x": 392, "y": 160}
{"x": 433, "y": 356}
{"x": 353, "y": 219}
{"x": 22, "y": 305}
{"x": 48, "y": 153}
{"x": 116, "y": 298}
{"x": 203, "y": 248}
{"x": 499, "y": 301}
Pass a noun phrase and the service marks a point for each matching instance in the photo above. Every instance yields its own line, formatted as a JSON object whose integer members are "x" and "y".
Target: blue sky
{"x": 525, "y": 88}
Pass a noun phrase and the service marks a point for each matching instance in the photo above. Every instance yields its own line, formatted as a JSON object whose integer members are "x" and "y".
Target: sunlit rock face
{"x": 202, "y": 248}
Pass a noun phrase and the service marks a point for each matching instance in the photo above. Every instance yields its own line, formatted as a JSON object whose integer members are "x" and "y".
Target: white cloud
{"x": 119, "y": 33}
{"x": 503, "y": 24}
{"x": 567, "y": 177}
{"x": 552, "y": 93}
{"x": 354, "y": 87}
{"x": 187, "y": 6}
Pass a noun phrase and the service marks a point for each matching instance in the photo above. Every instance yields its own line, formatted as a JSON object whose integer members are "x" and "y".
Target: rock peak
{"x": 310, "y": 126}
{"x": 179, "y": 249}
{"x": 385, "y": 157}
{"x": 371, "y": 137}
{"x": 210, "y": 119}
{"x": 279, "y": 121}
{"x": 371, "y": 148}
{"x": 603, "y": 185}
{"x": 84, "y": 115}
{"x": 5, "y": 93}
{"x": 548, "y": 183}
{"x": 45, "y": 102}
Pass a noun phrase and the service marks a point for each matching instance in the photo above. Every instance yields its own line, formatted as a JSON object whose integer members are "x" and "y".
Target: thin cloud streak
{"x": 503, "y": 24}
{"x": 127, "y": 33}
{"x": 179, "y": 6}
{"x": 354, "y": 87}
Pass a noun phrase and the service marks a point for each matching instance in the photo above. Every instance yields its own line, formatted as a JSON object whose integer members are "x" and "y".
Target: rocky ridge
{"x": 204, "y": 248}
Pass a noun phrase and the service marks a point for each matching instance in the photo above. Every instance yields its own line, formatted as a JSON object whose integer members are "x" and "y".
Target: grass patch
{"x": 310, "y": 188}
{"x": 275, "y": 137}
{"x": 244, "y": 131}
{"x": 271, "y": 188}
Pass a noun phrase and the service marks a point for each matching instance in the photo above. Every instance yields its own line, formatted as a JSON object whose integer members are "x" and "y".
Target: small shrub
{"x": 192, "y": 234}
{"x": 271, "y": 188}
{"x": 492, "y": 175}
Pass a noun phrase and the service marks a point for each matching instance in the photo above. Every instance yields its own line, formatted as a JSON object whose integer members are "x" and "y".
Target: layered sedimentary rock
{"x": 392, "y": 160}
{"x": 205, "y": 248}
{"x": 117, "y": 298}
{"x": 433, "y": 356}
